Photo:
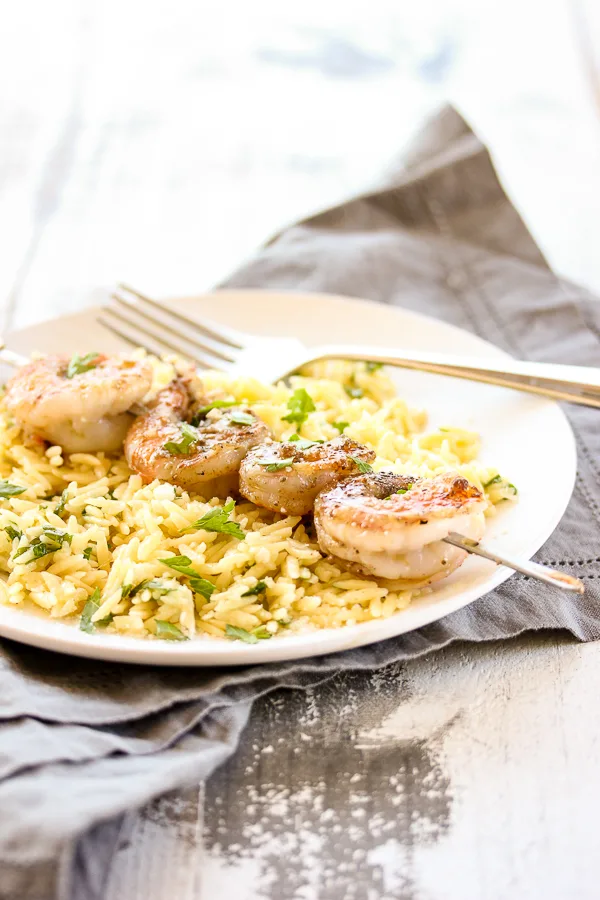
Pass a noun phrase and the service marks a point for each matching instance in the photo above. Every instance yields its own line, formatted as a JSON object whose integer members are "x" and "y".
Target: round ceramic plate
{"x": 527, "y": 438}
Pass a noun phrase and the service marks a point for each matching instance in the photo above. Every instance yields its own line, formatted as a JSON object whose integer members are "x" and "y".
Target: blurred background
{"x": 161, "y": 143}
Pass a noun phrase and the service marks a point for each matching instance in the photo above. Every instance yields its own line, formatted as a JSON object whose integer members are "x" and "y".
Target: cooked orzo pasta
{"x": 86, "y": 540}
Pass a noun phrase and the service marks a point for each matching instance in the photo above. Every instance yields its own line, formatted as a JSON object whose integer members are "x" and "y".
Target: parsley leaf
{"x": 363, "y": 467}
{"x": 57, "y": 535}
{"x": 55, "y": 539}
{"x": 249, "y": 637}
{"x": 276, "y": 466}
{"x": 169, "y": 632}
{"x": 88, "y": 552}
{"x": 241, "y": 418}
{"x": 262, "y": 633}
{"x": 240, "y": 634}
{"x": 496, "y": 480}
{"x": 10, "y": 490}
{"x": 189, "y": 436}
{"x": 216, "y": 404}
{"x": 91, "y": 607}
{"x": 150, "y": 584}
{"x": 371, "y": 366}
{"x": 217, "y": 519}
{"x": 401, "y": 491}
{"x": 258, "y": 588}
{"x": 79, "y": 364}
{"x": 13, "y": 532}
{"x": 60, "y": 508}
{"x": 354, "y": 391}
{"x": 40, "y": 549}
{"x": 302, "y": 443}
{"x": 300, "y": 405}
{"x": 183, "y": 565}
{"x": 341, "y": 426}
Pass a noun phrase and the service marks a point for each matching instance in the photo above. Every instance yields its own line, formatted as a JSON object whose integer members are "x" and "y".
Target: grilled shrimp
{"x": 393, "y": 526}
{"x": 311, "y": 467}
{"x": 204, "y": 458}
{"x": 85, "y": 411}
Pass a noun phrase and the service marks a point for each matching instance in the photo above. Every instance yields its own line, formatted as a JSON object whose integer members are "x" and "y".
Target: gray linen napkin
{"x": 83, "y": 743}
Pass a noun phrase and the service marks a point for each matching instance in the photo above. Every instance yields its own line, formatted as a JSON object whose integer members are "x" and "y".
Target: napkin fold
{"x": 83, "y": 743}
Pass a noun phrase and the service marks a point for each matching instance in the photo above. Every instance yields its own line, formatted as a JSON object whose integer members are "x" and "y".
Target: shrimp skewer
{"x": 85, "y": 410}
{"x": 286, "y": 477}
{"x": 394, "y": 526}
{"x": 204, "y": 458}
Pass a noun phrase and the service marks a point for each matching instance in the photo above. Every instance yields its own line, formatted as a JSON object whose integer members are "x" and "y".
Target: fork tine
{"x": 217, "y": 349}
{"x": 146, "y": 326}
{"x": 134, "y": 341}
{"x": 219, "y": 333}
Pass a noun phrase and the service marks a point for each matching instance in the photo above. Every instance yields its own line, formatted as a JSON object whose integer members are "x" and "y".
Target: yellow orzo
{"x": 86, "y": 538}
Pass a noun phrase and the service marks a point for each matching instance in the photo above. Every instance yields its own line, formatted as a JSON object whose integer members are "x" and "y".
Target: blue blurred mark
{"x": 334, "y": 57}
{"x": 435, "y": 67}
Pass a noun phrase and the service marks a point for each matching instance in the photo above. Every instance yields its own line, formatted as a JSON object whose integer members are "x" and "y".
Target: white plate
{"x": 528, "y": 439}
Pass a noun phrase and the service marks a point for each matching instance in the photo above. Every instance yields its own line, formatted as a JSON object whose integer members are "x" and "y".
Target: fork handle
{"x": 573, "y": 384}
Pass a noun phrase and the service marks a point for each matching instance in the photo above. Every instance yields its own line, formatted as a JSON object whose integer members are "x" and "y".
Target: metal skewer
{"x": 525, "y": 566}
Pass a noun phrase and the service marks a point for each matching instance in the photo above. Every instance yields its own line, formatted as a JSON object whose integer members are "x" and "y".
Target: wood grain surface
{"x": 161, "y": 144}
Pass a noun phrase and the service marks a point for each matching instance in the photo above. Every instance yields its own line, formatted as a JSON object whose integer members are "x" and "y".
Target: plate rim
{"x": 66, "y": 638}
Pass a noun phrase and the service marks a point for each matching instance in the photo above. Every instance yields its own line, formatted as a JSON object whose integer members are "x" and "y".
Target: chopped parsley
{"x": 10, "y": 490}
{"x": 189, "y": 436}
{"x": 169, "y": 632}
{"x": 241, "y": 418}
{"x": 88, "y": 552}
{"x": 13, "y": 532}
{"x": 150, "y": 584}
{"x": 371, "y": 366}
{"x": 505, "y": 485}
{"x": 54, "y": 539}
{"x": 249, "y": 637}
{"x": 401, "y": 491}
{"x": 60, "y": 507}
{"x": 217, "y": 519}
{"x": 262, "y": 633}
{"x": 258, "y": 588}
{"x": 353, "y": 390}
{"x": 183, "y": 565}
{"x": 300, "y": 405}
{"x": 341, "y": 426}
{"x": 303, "y": 443}
{"x": 216, "y": 404}
{"x": 90, "y": 609}
{"x": 276, "y": 466}
{"x": 80, "y": 364}
{"x": 363, "y": 467}
{"x": 496, "y": 480}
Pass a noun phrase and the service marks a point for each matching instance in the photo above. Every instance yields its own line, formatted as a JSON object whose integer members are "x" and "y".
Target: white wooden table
{"x": 160, "y": 144}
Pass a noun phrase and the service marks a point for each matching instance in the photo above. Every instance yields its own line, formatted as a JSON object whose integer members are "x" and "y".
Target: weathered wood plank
{"x": 470, "y": 775}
